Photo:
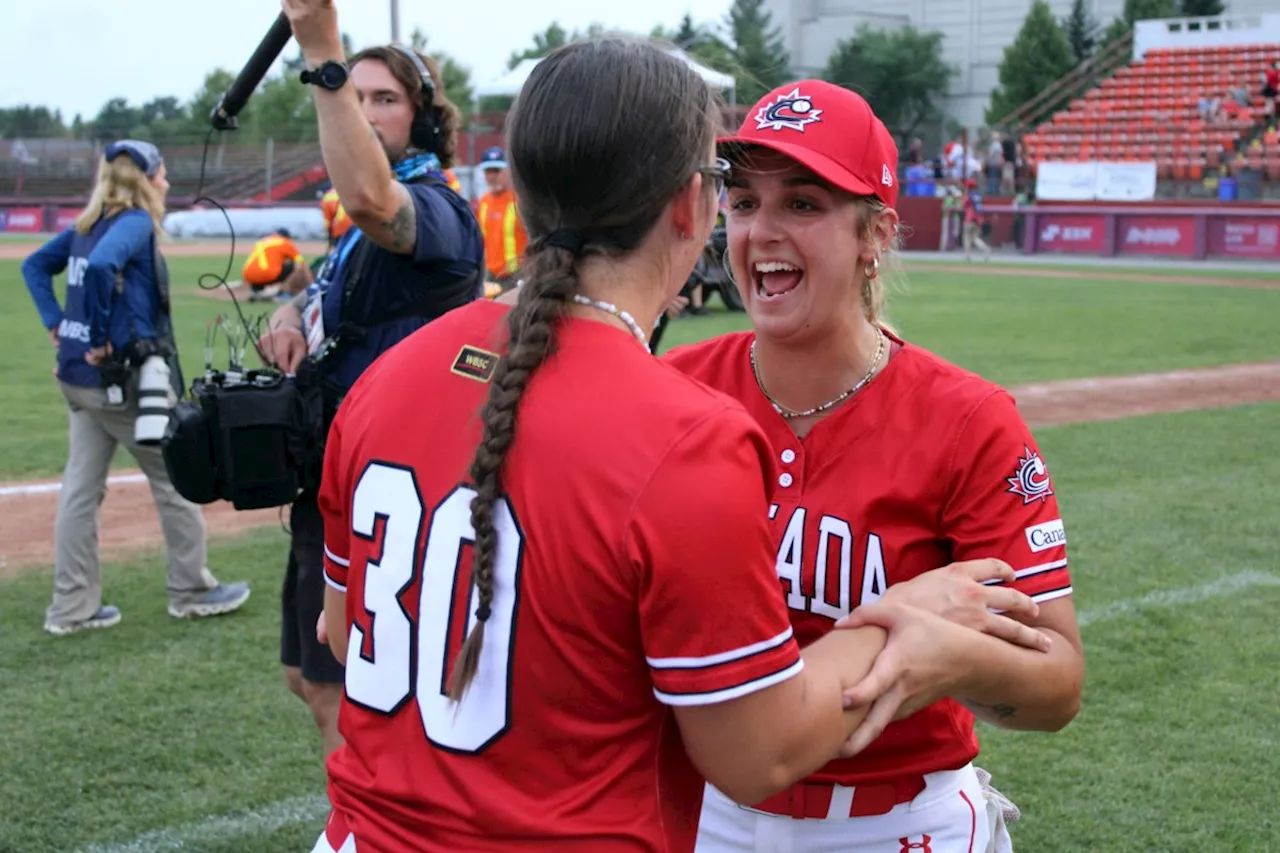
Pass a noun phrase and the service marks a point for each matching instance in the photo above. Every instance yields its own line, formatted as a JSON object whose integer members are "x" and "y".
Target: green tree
{"x": 757, "y": 48}
{"x": 901, "y": 73}
{"x": 284, "y": 110}
{"x": 1197, "y": 8}
{"x": 1039, "y": 55}
{"x": 701, "y": 42}
{"x": 30, "y": 121}
{"x": 206, "y": 98}
{"x": 1082, "y": 31}
{"x": 552, "y": 37}
{"x": 1144, "y": 10}
{"x": 1138, "y": 10}
{"x": 117, "y": 120}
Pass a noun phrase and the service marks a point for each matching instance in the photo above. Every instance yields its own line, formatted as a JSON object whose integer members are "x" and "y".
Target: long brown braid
{"x": 604, "y": 134}
{"x": 553, "y": 279}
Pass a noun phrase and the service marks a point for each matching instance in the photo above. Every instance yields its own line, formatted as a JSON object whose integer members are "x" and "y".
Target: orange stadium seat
{"x": 1150, "y": 110}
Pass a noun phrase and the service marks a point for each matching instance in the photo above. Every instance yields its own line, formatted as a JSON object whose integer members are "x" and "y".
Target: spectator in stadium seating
{"x": 413, "y": 252}
{"x": 275, "y": 267}
{"x": 115, "y": 313}
{"x": 1210, "y": 108}
{"x": 505, "y": 238}
{"x": 1270, "y": 90}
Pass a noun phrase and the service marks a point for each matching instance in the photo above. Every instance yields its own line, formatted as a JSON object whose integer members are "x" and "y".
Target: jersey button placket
{"x": 789, "y": 478}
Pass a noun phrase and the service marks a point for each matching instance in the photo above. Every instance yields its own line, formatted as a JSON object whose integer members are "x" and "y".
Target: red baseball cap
{"x": 831, "y": 131}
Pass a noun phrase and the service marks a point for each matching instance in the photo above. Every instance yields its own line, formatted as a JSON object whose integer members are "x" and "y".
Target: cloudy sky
{"x": 76, "y": 54}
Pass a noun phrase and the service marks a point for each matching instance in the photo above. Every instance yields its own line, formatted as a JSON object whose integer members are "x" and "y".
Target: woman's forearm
{"x": 1019, "y": 688}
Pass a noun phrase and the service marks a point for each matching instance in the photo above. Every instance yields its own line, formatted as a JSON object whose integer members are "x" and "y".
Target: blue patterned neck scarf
{"x": 416, "y": 166}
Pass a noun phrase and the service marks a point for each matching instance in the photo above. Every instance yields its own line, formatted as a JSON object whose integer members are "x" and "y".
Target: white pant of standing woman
{"x": 955, "y": 813}
{"x": 96, "y": 429}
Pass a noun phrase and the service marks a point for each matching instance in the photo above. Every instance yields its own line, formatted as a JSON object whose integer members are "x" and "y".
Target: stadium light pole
{"x": 395, "y": 21}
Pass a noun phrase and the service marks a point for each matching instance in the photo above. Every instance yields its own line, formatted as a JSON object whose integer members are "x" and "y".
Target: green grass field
{"x": 159, "y": 736}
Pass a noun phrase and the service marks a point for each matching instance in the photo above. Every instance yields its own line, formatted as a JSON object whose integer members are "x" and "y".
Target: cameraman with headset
{"x": 414, "y": 251}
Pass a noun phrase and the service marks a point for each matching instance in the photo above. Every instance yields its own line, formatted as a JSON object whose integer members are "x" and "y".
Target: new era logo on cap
{"x": 829, "y": 130}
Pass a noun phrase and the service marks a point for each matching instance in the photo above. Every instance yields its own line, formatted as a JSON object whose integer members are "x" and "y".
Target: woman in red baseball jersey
{"x": 891, "y": 462}
{"x": 550, "y": 575}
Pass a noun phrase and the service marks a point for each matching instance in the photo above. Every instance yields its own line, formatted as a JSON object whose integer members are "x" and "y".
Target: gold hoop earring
{"x": 872, "y": 269}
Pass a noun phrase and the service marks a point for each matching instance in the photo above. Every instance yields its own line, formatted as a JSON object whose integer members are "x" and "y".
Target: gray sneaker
{"x": 223, "y": 598}
{"x": 106, "y": 617}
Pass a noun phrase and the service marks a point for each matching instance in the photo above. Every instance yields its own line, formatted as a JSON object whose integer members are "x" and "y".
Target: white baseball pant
{"x": 952, "y": 814}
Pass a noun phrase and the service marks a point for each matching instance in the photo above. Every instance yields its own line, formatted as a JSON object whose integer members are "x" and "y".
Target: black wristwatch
{"x": 331, "y": 74}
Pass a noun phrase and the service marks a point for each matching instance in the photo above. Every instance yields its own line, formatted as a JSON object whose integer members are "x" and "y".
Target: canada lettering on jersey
{"x": 826, "y": 587}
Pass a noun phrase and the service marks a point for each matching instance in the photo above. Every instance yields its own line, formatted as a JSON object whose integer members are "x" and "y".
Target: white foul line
{"x": 314, "y": 809}
{"x": 23, "y": 489}
{"x": 296, "y": 810}
{"x": 1176, "y": 597}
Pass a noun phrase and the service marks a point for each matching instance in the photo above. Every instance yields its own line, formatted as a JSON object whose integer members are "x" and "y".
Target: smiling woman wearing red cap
{"x": 891, "y": 462}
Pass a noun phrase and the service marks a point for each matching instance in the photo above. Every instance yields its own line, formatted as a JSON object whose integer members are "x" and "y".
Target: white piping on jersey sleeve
{"x": 1051, "y": 595}
{"x": 728, "y": 693}
{"x": 1043, "y": 567}
{"x": 1029, "y": 571}
{"x": 341, "y": 561}
{"x": 720, "y": 657}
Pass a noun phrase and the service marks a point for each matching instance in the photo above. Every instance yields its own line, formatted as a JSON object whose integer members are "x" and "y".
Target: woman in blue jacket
{"x": 116, "y": 287}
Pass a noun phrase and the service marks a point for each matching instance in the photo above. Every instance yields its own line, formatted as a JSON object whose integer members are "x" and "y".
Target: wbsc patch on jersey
{"x": 475, "y": 363}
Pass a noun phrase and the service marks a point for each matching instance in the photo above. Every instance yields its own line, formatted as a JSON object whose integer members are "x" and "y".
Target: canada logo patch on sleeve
{"x": 1030, "y": 479}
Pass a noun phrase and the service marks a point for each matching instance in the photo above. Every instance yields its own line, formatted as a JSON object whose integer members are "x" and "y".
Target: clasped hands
{"x": 921, "y": 662}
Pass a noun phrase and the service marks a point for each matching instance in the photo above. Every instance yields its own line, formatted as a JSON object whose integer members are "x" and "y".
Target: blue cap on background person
{"x": 143, "y": 154}
{"x": 493, "y": 158}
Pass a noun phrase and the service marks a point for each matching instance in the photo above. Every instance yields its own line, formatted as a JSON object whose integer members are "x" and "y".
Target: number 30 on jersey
{"x": 402, "y": 659}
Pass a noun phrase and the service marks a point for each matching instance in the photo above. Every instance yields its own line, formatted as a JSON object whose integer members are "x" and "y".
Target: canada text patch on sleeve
{"x": 475, "y": 363}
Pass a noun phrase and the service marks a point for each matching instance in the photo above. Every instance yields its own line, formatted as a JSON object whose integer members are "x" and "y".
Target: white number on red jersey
{"x": 384, "y": 680}
{"x": 830, "y": 578}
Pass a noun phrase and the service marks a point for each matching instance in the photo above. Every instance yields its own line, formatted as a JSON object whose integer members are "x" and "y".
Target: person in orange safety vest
{"x": 275, "y": 260}
{"x": 504, "y": 236}
{"x": 336, "y": 221}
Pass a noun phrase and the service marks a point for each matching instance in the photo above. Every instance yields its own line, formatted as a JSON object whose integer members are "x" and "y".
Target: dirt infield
{"x": 129, "y": 522}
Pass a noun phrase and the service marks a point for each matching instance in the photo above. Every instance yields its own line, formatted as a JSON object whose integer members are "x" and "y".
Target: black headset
{"x": 425, "y": 131}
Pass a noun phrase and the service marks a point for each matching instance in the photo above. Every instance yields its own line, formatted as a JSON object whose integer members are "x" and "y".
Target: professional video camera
{"x": 253, "y": 437}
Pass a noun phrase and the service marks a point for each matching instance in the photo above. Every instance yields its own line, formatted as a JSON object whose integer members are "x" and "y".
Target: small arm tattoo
{"x": 1004, "y": 712}
{"x": 400, "y": 227}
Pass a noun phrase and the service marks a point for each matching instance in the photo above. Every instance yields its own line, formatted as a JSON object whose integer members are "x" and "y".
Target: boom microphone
{"x": 234, "y": 99}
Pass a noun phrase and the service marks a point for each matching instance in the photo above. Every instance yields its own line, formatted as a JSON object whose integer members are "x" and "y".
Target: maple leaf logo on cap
{"x": 791, "y": 111}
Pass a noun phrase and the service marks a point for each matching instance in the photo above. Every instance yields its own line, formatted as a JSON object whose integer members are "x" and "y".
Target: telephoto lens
{"x": 153, "y": 401}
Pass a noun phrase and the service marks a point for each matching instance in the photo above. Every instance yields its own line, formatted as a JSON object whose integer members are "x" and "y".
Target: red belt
{"x": 813, "y": 799}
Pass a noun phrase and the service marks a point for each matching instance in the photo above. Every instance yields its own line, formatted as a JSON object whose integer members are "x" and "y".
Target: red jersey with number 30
{"x": 927, "y": 465}
{"x": 634, "y": 572}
